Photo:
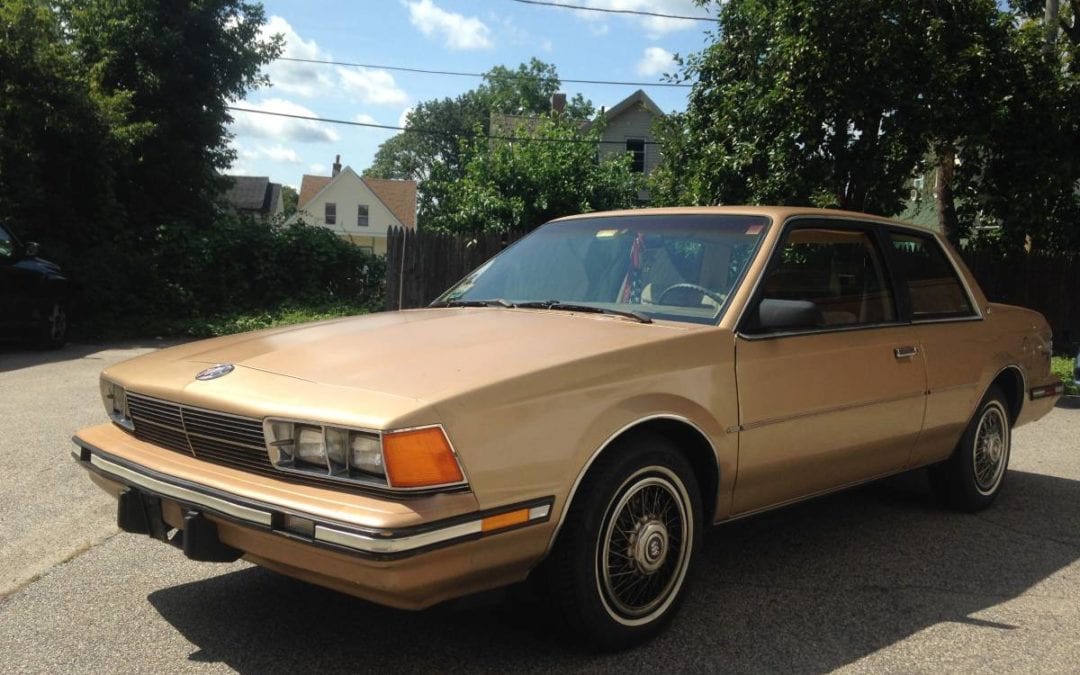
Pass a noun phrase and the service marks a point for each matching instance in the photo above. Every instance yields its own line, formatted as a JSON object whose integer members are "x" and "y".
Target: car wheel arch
{"x": 1012, "y": 382}
{"x": 693, "y": 444}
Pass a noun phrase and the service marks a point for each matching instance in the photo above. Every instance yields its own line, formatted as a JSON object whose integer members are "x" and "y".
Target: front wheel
{"x": 972, "y": 477}
{"x": 621, "y": 564}
{"x": 52, "y": 333}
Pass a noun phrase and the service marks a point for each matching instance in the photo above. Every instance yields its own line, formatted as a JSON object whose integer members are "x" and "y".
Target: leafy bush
{"x": 1062, "y": 366}
{"x": 238, "y": 266}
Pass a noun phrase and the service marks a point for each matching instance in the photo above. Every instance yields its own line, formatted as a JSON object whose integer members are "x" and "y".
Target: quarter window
{"x": 936, "y": 291}
{"x": 330, "y": 214}
{"x": 362, "y": 215}
{"x": 824, "y": 278}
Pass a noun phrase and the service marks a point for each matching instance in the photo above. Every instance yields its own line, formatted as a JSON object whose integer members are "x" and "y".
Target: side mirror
{"x": 32, "y": 248}
{"x": 776, "y": 315}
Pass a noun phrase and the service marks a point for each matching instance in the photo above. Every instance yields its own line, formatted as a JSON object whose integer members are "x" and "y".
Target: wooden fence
{"x": 1048, "y": 283}
{"x": 421, "y": 265}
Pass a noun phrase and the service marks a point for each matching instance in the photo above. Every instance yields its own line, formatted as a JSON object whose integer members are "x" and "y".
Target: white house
{"x": 356, "y": 208}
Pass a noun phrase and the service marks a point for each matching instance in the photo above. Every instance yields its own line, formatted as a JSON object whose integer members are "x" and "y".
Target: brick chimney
{"x": 337, "y": 166}
{"x": 558, "y": 103}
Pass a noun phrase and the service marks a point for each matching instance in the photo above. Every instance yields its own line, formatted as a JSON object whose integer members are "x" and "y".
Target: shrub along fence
{"x": 421, "y": 265}
{"x": 1046, "y": 282}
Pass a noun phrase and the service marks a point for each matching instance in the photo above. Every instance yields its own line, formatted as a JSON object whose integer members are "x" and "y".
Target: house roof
{"x": 251, "y": 193}
{"x": 507, "y": 125}
{"x": 398, "y": 195}
{"x": 311, "y": 186}
{"x": 639, "y": 97}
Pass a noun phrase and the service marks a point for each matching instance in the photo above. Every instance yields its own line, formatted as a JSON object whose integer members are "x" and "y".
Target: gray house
{"x": 628, "y": 128}
{"x": 253, "y": 195}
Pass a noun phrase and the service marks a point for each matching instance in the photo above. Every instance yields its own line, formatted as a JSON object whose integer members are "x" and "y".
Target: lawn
{"x": 1062, "y": 366}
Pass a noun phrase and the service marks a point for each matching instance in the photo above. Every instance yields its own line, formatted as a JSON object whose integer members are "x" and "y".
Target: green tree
{"x": 179, "y": 64}
{"x": 435, "y": 129}
{"x": 826, "y": 103}
{"x": 520, "y": 185}
{"x": 289, "y": 199}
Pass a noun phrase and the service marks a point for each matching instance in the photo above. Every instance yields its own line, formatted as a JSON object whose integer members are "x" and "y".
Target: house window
{"x": 330, "y": 214}
{"x": 362, "y": 215}
{"x": 636, "y": 147}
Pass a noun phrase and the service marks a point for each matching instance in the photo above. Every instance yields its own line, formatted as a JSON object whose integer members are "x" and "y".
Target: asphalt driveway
{"x": 872, "y": 580}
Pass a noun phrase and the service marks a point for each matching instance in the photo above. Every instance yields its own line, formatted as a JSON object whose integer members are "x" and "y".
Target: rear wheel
{"x": 621, "y": 564}
{"x": 972, "y": 477}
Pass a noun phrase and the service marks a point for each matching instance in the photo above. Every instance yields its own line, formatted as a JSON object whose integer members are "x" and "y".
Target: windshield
{"x": 677, "y": 267}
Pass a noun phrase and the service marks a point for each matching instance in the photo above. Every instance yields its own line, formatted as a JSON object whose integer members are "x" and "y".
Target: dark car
{"x": 1076, "y": 370}
{"x": 33, "y": 295}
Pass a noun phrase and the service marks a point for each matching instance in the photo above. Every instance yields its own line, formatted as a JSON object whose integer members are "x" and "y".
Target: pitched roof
{"x": 247, "y": 193}
{"x": 399, "y": 196}
{"x": 309, "y": 187}
{"x": 639, "y": 97}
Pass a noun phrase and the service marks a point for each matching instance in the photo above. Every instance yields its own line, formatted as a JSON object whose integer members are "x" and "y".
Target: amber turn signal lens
{"x": 504, "y": 520}
{"x": 420, "y": 458}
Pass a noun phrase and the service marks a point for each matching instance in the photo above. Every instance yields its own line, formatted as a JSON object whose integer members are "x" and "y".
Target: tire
{"x": 972, "y": 477}
{"x": 617, "y": 589}
{"x": 52, "y": 334}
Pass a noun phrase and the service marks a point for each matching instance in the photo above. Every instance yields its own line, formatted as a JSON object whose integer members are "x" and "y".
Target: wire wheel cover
{"x": 991, "y": 448}
{"x": 644, "y": 546}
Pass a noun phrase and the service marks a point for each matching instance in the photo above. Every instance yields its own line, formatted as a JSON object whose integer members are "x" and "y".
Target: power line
{"x": 616, "y": 11}
{"x": 507, "y": 76}
{"x": 425, "y": 132}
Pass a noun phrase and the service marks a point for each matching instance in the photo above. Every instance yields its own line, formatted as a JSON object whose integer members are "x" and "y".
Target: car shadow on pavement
{"x": 12, "y": 357}
{"x": 809, "y": 588}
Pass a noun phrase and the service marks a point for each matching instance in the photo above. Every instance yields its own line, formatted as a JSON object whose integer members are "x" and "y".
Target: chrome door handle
{"x": 905, "y": 352}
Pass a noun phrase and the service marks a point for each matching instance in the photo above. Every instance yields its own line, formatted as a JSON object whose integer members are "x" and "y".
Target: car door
{"x": 948, "y": 323}
{"x": 8, "y": 281}
{"x": 831, "y": 381}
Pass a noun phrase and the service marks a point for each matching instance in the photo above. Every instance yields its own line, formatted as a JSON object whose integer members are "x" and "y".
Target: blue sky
{"x": 461, "y": 35}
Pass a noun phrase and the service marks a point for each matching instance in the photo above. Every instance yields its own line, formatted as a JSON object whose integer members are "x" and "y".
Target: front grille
{"x": 220, "y": 438}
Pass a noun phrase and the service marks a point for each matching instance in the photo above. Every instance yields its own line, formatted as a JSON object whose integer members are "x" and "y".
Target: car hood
{"x": 424, "y": 355}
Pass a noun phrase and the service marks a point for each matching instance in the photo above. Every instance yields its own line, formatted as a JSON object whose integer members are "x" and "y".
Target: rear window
{"x": 936, "y": 291}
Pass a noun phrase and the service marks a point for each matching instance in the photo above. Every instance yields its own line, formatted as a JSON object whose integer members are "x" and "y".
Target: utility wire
{"x": 425, "y": 132}
{"x": 616, "y": 11}
{"x": 507, "y": 76}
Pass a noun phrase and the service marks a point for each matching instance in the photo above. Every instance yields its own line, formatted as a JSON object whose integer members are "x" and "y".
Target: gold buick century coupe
{"x": 579, "y": 408}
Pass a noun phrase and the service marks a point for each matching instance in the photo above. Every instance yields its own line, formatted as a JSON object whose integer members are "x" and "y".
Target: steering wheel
{"x": 718, "y": 297}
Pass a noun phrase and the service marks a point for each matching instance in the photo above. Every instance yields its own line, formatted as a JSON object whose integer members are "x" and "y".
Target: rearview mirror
{"x": 32, "y": 248}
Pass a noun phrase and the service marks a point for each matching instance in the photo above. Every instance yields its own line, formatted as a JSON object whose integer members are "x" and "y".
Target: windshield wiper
{"x": 569, "y": 307}
{"x": 497, "y": 302}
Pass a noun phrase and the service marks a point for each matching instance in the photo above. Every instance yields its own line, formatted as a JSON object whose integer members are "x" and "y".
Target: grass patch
{"x": 239, "y": 322}
{"x": 1062, "y": 366}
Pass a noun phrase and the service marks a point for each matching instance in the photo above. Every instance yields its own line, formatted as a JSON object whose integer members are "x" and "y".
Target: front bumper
{"x": 402, "y": 564}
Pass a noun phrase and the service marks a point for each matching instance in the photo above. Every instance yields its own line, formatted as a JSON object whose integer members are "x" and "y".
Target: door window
{"x": 823, "y": 278}
{"x": 936, "y": 291}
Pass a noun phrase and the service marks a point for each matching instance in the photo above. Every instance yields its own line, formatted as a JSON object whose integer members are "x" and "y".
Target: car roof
{"x": 777, "y": 213}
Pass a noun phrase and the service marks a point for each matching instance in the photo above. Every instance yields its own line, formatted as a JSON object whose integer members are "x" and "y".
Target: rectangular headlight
{"x": 115, "y": 399}
{"x": 328, "y": 451}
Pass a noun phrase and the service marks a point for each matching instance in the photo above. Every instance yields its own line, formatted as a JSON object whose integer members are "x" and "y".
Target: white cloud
{"x": 292, "y": 77}
{"x": 547, "y": 46}
{"x": 656, "y": 61}
{"x": 403, "y": 118}
{"x": 281, "y": 128}
{"x": 365, "y": 118}
{"x": 319, "y": 169}
{"x": 458, "y": 31}
{"x": 280, "y": 153}
{"x": 655, "y": 26}
{"x": 372, "y": 86}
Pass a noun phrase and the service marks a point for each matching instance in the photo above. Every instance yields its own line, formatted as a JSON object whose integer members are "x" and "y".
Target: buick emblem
{"x": 214, "y": 372}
